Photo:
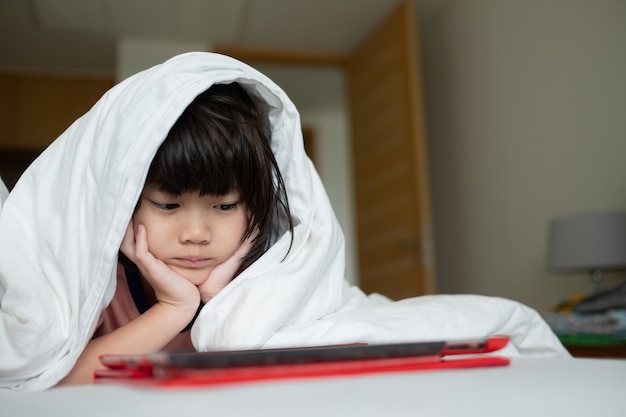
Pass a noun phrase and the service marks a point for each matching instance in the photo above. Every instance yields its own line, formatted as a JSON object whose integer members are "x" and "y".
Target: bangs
{"x": 211, "y": 149}
{"x": 184, "y": 164}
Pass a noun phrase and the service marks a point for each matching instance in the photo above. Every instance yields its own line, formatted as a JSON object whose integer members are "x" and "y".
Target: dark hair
{"x": 221, "y": 143}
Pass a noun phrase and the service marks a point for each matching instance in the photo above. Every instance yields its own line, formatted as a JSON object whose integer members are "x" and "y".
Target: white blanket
{"x": 61, "y": 227}
{"x": 4, "y": 193}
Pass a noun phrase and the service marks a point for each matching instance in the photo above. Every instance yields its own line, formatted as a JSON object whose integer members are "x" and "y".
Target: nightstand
{"x": 594, "y": 346}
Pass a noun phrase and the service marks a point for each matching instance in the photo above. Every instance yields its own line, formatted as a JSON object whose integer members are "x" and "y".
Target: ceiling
{"x": 81, "y": 35}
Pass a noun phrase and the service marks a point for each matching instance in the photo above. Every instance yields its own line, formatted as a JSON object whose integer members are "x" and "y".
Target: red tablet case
{"x": 157, "y": 370}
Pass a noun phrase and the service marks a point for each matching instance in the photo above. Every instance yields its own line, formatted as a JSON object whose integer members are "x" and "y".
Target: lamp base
{"x": 595, "y": 277}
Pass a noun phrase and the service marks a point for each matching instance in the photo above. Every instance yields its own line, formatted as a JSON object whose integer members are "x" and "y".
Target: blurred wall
{"x": 134, "y": 55}
{"x": 526, "y": 104}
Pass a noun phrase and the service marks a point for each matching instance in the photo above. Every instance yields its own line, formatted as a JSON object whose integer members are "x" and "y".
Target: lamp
{"x": 593, "y": 242}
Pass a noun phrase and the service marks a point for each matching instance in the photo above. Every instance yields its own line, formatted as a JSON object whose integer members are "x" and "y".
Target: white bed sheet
{"x": 528, "y": 387}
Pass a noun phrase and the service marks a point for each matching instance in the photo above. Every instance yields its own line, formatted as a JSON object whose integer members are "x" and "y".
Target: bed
{"x": 527, "y": 387}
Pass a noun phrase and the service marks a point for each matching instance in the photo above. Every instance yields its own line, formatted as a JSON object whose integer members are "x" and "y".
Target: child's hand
{"x": 223, "y": 273}
{"x": 169, "y": 287}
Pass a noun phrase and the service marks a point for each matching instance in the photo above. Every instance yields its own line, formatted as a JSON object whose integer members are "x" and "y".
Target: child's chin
{"x": 196, "y": 277}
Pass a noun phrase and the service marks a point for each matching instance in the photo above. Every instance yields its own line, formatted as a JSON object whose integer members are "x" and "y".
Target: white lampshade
{"x": 595, "y": 241}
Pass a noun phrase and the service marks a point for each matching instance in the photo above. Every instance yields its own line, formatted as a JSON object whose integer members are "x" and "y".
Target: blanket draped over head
{"x": 62, "y": 224}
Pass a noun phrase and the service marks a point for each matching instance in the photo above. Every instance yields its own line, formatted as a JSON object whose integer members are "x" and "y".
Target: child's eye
{"x": 165, "y": 206}
{"x": 226, "y": 206}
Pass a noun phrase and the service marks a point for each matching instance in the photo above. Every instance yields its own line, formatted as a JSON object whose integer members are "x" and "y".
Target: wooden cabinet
{"x": 608, "y": 351}
{"x": 35, "y": 110}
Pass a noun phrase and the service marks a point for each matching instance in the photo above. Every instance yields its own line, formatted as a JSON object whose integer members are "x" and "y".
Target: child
{"x": 65, "y": 221}
{"x": 213, "y": 202}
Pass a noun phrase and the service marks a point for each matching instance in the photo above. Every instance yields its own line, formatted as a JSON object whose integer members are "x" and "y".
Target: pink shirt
{"x": 123, "y": 309}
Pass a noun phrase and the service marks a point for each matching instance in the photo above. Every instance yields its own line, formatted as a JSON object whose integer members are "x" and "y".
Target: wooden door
{"x": 390, "y": 163}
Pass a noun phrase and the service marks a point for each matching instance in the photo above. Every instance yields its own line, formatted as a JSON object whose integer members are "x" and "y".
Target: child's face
{"x": 192, "y": 233}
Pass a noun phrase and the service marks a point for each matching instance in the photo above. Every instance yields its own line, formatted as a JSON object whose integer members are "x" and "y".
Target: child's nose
{"x": 195, "y": 229}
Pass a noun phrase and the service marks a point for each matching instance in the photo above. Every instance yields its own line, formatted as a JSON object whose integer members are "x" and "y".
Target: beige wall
{"x": 526, "y": 106}
{"x": 134, "y": 55}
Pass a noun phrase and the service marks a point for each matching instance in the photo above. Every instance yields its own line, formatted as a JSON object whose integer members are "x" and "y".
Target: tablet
{"x": 270, "y": 357}
{"x": 171, "y": 369}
